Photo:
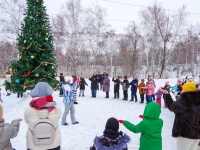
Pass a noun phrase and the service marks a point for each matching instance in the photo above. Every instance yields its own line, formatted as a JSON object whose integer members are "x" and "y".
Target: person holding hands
{"x": 8, "y": 131}
{"x": 150, "y": 127}
{"x": 187, "y": 116}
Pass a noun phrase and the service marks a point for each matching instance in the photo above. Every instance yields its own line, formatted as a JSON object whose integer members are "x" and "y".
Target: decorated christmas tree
{"x": 36, "y": 62}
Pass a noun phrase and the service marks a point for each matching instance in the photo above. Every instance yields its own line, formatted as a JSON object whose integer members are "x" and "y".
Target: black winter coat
{"x": 116, "y": 84}
{"x": 82, "y": 84}
{"x": 94, "y": 82}
{"x": 62, "y": 79}
{"x": 187, "y": 114}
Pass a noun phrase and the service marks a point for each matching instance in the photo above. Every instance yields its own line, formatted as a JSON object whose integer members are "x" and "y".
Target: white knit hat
{"x": 67, "y": 78}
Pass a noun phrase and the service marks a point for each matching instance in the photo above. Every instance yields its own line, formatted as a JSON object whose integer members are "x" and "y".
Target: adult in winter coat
{"x": 99, "y": 78}
{"x": 82, "y": 86}
{"x": 62, "y": 80}
{"x": 7, "y": 131}
{"x": 134, "y": 84}
{"x": 106, "y": 85}
{"x": 125, "y": 87}
{"x": 42, "y": 106}
{"x": 187, "y": 116}
{"x": 94, "y": 85}
{"x": 116, "y": 87}
{"x": 112, "y": 139}
{"x": 150, "y": 127}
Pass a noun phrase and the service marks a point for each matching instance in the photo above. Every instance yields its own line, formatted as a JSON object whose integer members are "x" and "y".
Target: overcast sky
{"x": 127, "y": 13}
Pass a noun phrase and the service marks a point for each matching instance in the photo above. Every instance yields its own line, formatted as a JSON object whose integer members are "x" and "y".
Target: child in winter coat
{"x": 82, "y": 86}
{"x": 112, "y": 139}
{"x": 7, "y": 131}
{"x": 166, "y": 87}
{"x": 141, "y": 91}
{"x": 177, "y": 89}
{"x": 158, "y": 95}
{"x": 68, "y": 101}
{"x": 150, "y": 127}
{"x": 77, "y": 83}
{"x": 150, "y": 91}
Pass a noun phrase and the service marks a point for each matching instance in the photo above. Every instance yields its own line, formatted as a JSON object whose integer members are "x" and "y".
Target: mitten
{"x": 121, "y": 121}
{"x": 141, "y": 116}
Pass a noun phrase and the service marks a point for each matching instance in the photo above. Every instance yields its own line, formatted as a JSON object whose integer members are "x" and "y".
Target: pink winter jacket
{"x": 150, "y": 89}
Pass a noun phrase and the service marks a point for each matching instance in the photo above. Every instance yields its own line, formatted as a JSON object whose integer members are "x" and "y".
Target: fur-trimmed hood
{"x": 121, "y": 144}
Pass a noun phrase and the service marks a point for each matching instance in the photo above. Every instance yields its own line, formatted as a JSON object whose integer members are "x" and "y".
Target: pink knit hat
{"x": 167, "y": 83}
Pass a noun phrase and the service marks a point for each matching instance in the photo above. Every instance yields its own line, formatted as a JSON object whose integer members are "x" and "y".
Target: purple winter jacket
{"x": 106, "y": 84}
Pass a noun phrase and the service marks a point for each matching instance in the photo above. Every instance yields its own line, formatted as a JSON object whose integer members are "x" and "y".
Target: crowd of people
{"x": 42, "y": 116}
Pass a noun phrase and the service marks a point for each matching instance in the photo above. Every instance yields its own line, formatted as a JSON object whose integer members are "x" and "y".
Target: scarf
{"x": 39, "y": 103}
{"x": 111, "y": 134}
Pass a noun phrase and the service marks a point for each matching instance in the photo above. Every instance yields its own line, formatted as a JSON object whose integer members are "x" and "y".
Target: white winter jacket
{"x": 31, "y": 116}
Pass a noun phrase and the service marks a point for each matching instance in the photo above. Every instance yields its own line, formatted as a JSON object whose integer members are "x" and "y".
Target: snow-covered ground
{"x": 92, "y": 114}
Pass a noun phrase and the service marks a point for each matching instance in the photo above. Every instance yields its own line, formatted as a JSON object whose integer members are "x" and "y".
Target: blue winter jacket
{"x": 68, "y": 92}
{"x": 133, "y": 87}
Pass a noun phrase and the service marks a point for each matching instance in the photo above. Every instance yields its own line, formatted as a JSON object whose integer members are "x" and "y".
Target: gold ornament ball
{"x": 47, "y": 33}
{"x": 10, "y": 69}
{"x": 32, "y": 57}
{"x": 52, "y": 67}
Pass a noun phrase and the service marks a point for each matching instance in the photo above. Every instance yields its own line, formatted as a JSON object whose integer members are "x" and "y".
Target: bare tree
{"x": 8, "y": 53}
{"x": 97, "y": 30}
{"x": 73, "y": 15}
{"x": 133, "y": 37}
{"x": 11, "y": 15}
{"x": 58, "y": 30}
{"x": 165, "y": 27}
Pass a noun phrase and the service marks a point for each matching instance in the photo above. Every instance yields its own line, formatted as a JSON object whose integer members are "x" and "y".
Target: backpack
{"x": 43, "y": 132}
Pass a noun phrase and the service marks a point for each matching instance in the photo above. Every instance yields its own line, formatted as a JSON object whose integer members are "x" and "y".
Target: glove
{"x": 141, "y": 116}
{"x": 121, "y": 121}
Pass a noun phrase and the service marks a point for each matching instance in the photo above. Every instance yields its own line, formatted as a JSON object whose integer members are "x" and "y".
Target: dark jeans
{"x": 61, "y": 90}
{"x": 116, "y": 93}
{"x": 19, "y": 94}
{"x": 142, "y": 98}
{"x": 125, "y": 94}
{"x": 57, "y": 148}
{"x": 94, "y": 93}
{"x": 148, "y": 98}
{"x": 134, "y": 95}
{"x": 153, "y": 97}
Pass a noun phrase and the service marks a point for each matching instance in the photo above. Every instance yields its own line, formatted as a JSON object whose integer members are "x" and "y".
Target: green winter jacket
{"x": 150, "y": 128}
